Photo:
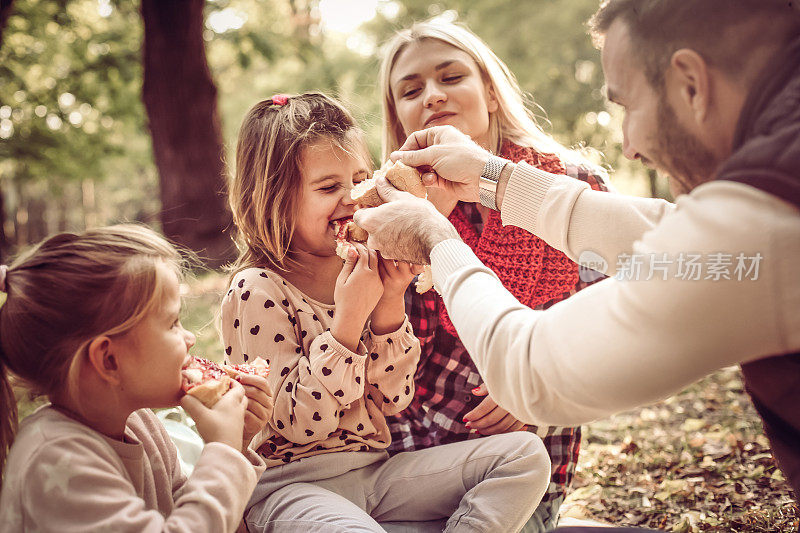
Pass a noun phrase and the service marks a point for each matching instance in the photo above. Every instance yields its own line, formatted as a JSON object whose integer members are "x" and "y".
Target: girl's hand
{"x": 488, "y": 418}
{"x": 222, "y": 423}
{"x": 259, "y": 405}
{"x": 358, "y": 289}
{"x": 396, "y": 276}
{"x": 390, "y": 313}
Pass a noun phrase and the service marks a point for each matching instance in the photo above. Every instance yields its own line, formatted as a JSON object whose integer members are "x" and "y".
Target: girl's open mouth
{"x": 339, "y": 222}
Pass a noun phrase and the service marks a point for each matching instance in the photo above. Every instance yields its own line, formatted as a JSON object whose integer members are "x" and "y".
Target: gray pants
{"x": 544, "y": 519}
{"x": 492, "y": 484}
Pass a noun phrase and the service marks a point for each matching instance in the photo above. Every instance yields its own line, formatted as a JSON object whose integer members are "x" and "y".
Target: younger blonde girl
{"x": 342, "y": 353}
{"x": 92, "y": 322}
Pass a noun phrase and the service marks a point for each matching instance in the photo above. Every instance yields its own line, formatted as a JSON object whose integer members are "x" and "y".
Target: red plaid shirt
{"x": 446, "y": 376}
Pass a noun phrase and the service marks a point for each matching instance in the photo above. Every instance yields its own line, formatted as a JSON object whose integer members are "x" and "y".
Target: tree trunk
{"x": 5, "y": 12}
{"x": 4, "y": 244}
{"x": 181, "y": 101}
{"x": 652, "y": 177}
{"x": 38, "y": 228}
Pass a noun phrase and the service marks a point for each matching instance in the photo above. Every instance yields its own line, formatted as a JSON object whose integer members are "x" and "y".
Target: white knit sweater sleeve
{"x": 569, "y": 216}
{"x": 619, "y": 344}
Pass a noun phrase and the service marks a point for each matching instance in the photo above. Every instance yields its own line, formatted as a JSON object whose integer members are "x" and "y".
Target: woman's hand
{"x": 358, "y": 289}
{"x": 222, "y": 423}
{"x": 259, "y": 405}
{"x": 488, "y": 418}
{"x": 390, "y": 313}
{"x": 444, "y": 200}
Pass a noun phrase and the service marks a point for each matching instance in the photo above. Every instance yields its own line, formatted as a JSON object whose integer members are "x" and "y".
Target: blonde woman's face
{"x": 328, "y": 174}
{"x": 434, "y": 83}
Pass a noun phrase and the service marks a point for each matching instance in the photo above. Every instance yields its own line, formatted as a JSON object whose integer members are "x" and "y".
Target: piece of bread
{"x": 365, "y": 193}
{"x": 424, "y": 280}
{"x": 210, "y": 391}
{"x": 402, "y": 177}
{"x": 256, "y": 367}
{"x": 346, "y": 232}
{"x": 205, "y": 380}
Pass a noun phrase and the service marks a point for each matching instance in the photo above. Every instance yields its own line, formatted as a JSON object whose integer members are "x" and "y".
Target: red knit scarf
{"x": 531, "y": 270}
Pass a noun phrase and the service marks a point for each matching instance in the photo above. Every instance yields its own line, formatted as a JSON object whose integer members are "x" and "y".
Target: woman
{"x": 437, "y": 73}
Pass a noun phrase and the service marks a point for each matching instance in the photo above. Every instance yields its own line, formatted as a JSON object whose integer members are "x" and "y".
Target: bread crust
{"x": 401, "y": 176}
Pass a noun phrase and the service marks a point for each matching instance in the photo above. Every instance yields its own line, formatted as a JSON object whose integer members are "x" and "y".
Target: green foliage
{"x": 71, "y": 81}
{"x": 71, "y": 78}
{"x": 70, "y": 102}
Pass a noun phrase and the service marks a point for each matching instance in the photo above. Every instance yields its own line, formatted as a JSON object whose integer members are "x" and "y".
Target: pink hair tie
{"x": 3, "y": 274}
{"x": 280, "y": 99}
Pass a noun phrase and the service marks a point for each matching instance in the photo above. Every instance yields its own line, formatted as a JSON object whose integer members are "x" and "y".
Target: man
{"x": 711, "y": 93}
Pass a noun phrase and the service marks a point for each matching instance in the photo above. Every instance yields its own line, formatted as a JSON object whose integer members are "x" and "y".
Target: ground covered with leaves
{"x": 698, "y": 461}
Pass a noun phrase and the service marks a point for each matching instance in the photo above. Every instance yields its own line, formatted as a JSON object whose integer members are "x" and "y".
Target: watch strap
{"x": 487, "y": 185}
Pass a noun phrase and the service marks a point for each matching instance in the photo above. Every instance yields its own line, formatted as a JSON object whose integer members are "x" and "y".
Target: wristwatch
{"x": 487, "y": 186}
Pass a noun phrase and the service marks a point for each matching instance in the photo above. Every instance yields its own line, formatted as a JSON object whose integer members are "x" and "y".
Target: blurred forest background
{"x": 112, "y": 110}
{"x": 119, "y": 110}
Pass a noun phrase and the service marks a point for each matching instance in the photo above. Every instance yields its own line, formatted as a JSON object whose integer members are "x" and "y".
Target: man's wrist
{"x": 502, "y": 183}
{"x": 438, "y": 233}
{"x": 489, "y": 180}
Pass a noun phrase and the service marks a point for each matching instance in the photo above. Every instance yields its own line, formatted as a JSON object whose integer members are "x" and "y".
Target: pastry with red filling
{"x": 209, "y": 381}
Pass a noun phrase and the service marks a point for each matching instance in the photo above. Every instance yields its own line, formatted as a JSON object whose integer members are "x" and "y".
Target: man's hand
{"x": 406, "y": 228}
{"x": 455, "y": 161}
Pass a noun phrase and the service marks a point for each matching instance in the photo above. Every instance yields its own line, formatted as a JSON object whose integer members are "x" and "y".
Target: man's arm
{"x": 571, "y": 217}
{"x": 564, "y": 212}
{"x": 619, "y": 344}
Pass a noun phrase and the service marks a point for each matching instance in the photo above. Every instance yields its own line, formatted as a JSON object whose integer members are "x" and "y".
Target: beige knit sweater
{"x": 643, "y": 336}
{"x": 64, "y": 476}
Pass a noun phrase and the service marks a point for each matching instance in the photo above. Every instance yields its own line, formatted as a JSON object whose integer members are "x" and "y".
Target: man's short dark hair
{"x": 721, "y": 31}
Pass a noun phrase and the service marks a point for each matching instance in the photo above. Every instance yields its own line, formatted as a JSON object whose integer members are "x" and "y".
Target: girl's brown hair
{"x": 265, "y": 190}
{"x": 66, "y": 291}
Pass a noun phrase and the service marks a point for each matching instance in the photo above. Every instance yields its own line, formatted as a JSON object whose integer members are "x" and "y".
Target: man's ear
{"x": 691, "y": 78}
{"x": 491, "y": 99}
{"x": 103, "y": 361}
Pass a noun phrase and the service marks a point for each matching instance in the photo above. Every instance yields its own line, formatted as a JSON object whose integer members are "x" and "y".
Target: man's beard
{"x": 680, "y": 154}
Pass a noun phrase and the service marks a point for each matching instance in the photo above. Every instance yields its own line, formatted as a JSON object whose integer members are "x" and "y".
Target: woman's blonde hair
{"x": 265, "y": 190}
{"x": 65, "y": 292}
{"x": 512, "y": 121}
